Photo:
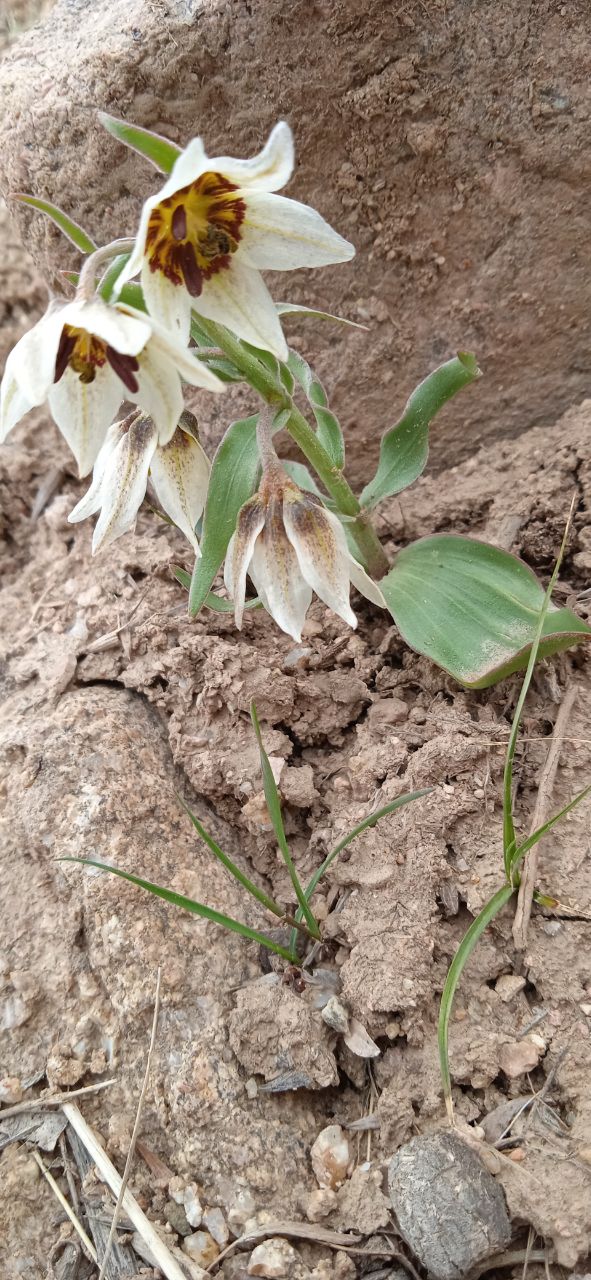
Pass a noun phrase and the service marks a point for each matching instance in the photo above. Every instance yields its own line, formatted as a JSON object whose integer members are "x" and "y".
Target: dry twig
{"x": 88, "y": 1245}
{"x": 56, "y": 1099}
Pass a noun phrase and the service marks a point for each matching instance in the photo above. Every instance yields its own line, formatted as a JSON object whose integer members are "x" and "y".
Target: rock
{"x": 240, "y": 1210}
{"x": 320, "y": 1204}
{"x": 359, "y": 1042}
{"x": 273, "y": 1258}
{"x": 450, "y": 1210}
{"x": 335, "y": 1015}
{"x": 362, "y": 1205}
{"x": 11, "y": 1091}
{"x": 508, "y": 986}
{"x": 518, "y": 1056}
{"x": 331, "y": 1157}
{"x": 201, "y": 1248}
{"x": 186, "y": 1195}
{"x": 214, "y": 1221}
{"x": 176, "y": 1216}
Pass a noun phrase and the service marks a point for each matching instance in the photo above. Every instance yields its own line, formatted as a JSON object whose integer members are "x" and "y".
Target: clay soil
{"x": 113, "y": 702}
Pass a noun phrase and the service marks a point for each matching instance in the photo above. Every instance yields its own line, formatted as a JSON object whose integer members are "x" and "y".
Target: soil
{"x": 113, "y": 702}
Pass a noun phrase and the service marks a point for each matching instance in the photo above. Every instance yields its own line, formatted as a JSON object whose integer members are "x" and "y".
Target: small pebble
{"x": 201, "y": 1248}
{"x": 240, "y": 1210}
{"x": 335, "y": 1015}
{"x": 192, "y": 1205}
{"x": 273, "y": 1258}
{"x": 360, "y": 1042}
{"x": 320, "y": 1204}
{"x": 508, "y": 986}
{"x": 11, "y": 1090}
{"x": 584, "y": 1154}
{"x": 331, "y": 1157}
{"x": 518, "y": 1057}
{"x": 176, "y": 1216}
{"x": 251, "y": 1088}
{"x": 214, "y": 1221}
{"x": 516, "y": 1155}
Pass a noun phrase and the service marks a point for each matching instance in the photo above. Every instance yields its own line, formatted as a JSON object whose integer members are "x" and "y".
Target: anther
{"x": 179, "y": 222}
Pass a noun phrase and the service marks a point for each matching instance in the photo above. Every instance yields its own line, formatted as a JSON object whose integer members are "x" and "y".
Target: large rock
{"x": 455, "y": 154}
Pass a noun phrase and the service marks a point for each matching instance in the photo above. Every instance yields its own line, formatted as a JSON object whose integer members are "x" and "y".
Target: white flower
{"x": 178, "y": 470}
{"x": 290, "y": 546}
{"x": 204, "y": 238}
{"x": 84, "y": 358}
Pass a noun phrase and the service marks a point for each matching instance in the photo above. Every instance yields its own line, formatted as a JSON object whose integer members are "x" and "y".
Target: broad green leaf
{"x": 232, "y": 482}
{"x": 188, "y": 904}
{"x": 328, "y": 427}
{"x": 218, "y": 604}
{"x": 159, "y": 151}
{"x": 292, "y": 309}
{"x": 303, "y": 477}
{"x": 230, "y": 866}
{"x": 405, "y": 447}
{"x": 274, "y": 808}
{"x": 456, "y": 968}
{"x": 67, "y": 225}
{"x": 473, "y": 609}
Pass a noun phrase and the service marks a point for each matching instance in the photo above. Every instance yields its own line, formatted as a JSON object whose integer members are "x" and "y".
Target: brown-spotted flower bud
{"x": 291, "y": 546}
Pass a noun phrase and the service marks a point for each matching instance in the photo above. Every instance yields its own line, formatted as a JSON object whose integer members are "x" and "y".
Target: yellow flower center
{"x": 193, "y": 234}
{"x": 84, "y": 353}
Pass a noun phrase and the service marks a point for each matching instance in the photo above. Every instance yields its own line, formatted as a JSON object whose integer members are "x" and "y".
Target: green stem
{"x": 270, "y": 388}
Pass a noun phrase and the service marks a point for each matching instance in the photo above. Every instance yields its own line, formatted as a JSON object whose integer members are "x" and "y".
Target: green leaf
{"x": 67, "y": 225}
{"x": 292, "y": 309}
{"x": 230, "y": 866}
{"x": 111, "y": 276}
{"x": 456, "y": 968}
{"x": 328, "y": 427}
{"x": 274, "y": 807}
{"x": 473, "y": 609}
{"x": 303, "y": 478}
{"x": 405, "y": 447}
{"x": 188, "y": 904}
{"x": 546, "y": 826}
{"x": 232, "y": 482}
{"x": 159, "y": 151}
{"x": 218, "y": 604}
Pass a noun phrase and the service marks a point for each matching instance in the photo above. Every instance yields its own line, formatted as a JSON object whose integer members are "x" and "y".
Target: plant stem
{"x": 270, "y": 388}
{"x": 87, "y": 278}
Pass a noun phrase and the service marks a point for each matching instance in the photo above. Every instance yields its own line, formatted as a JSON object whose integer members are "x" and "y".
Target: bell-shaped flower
{"x": 84, "y": 357}
{"x": 178, "y": 471}
{"x": 290, "y": 545}
{"x": 215, "y": 224}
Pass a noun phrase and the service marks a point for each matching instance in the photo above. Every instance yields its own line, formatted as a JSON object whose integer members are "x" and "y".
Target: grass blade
{"x": 547, "y": 826}
{"x": 188, "y": 904}
{"x": 509, "y": 836}
{"x": 458, "y": 964}
{"x": 218, "y": 603}
{"x": 67, "y": 226}
{"x": 274, "y": 807}
{"x": 230, "y": 866}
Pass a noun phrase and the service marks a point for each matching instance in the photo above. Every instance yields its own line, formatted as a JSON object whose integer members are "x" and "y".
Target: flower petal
{"x": 321, "y": 549}
{"x": 190, "y": 164}
{"x": 180, "y": 475}
{"x": 124, "y": 482}
{"x": 169, "y": 303}
{"x": 84, "y": 411}
{"x": 159, "y": 391}
{"x": 14, "y": 404}
{"x": 127, "y": 334}
{"x": 191, "y": 369}
{"x": 280, "y": 235}
{"x": 238, "y": 298}
{"x": 91, "y": 502}
{"x": 33, "y": 358}
{"x": 267, "y": 171}
{"x": 251, "y": 519}
{"x": 276, "y": 574}
{"x": 364, "y": 583}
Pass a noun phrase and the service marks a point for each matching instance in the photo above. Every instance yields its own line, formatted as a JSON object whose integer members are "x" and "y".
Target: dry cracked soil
{"x": 455, "y": 153}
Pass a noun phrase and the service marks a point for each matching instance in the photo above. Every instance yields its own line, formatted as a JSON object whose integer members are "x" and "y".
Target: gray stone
{"x": 450, "y": 1210}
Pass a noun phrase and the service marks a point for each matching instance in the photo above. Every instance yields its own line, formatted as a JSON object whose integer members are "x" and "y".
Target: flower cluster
{"x": 202, "y": 242}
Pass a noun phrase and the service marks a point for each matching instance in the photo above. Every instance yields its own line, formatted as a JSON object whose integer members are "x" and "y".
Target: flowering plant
{"x": 201, "y": 313}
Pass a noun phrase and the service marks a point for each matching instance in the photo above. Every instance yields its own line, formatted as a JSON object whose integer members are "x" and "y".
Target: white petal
{"x": 190, "y": 164}
{"x": 33, "y": 358}
{"x": 280, "y": 235}
{"x": 13, "y": 401}
{"x": 124, "y": 482}
{"x": 159, "y": 391}
{"x": 238, "y": 298}
{"x": 180, "y": 475}
{"x": 126, "y": 334}
{"x": 190, "y": 368}
{"x": 276, "y": 574}
{"x": 267, "y": 171}
{"x": 322, "y": 553}
{"x": 251, "y": 519}
{"x": 84, "y": 411}
{"x": 93, "y": 498}
{"x": 168, "y": 303}
{"x": 365, "y": 584}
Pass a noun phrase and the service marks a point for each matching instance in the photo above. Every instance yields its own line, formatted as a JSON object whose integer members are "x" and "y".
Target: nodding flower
{"x": 85, "y": 357}
{"x": 215, "y": 224}
{"x": 291, "y": 546}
